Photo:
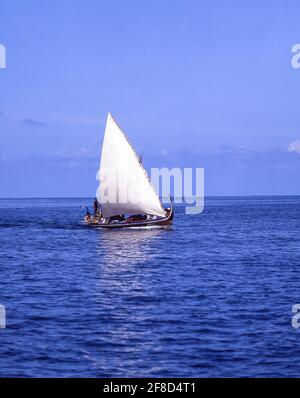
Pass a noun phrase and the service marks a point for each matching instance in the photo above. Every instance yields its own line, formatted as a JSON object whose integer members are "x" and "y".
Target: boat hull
{"x": 162, "y": 223}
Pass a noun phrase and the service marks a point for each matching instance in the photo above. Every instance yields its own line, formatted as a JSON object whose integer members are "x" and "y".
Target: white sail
{"x": 124, "y": 184}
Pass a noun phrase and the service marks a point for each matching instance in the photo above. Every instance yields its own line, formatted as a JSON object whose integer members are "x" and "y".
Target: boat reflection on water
{"x": 126, "y": 288}
{"x": 123, "y": 249}
{"x": 127, "y": 265}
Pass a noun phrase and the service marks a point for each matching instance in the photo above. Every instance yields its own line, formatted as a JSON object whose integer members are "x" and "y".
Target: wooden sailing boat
{"x": 122, "y": 173}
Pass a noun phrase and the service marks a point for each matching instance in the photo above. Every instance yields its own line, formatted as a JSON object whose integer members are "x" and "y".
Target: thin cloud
{"x": 56, "y": 119}
{"x": 80, "y": 153}
{"x": 294, "y": 146}
{"x": 33, "y": 122}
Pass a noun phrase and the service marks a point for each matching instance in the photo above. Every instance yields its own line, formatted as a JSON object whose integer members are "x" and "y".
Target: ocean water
{"x": 210, "y": 297}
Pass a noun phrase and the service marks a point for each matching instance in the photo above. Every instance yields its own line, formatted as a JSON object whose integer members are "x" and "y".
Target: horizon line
{"x": 88, "y": 197}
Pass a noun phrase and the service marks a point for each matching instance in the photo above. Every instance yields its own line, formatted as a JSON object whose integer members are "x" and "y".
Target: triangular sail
{"x": 124, "y": 184}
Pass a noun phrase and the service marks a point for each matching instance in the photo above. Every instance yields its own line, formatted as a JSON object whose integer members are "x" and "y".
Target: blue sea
{"x": 211, "y": 297}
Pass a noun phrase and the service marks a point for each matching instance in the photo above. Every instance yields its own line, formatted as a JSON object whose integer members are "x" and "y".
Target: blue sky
{"x": 193, "y": 84}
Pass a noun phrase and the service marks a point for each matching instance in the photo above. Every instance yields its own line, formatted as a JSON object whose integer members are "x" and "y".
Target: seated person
{"x": 96, "y": 219}
{"x": 137, "y": 218}
{"x": 116, "y": 218}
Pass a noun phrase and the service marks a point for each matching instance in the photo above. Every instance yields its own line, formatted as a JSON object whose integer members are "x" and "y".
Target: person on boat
{"x": 168, "y": 211}
{"x": 96, "y": 219}
{"x": 117, "y": 218}
{"x": 137, "y": 218}
{"x": 87, "y": 217}
{"x": 96, "y": 206}
{"x": 99, "y": 212}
